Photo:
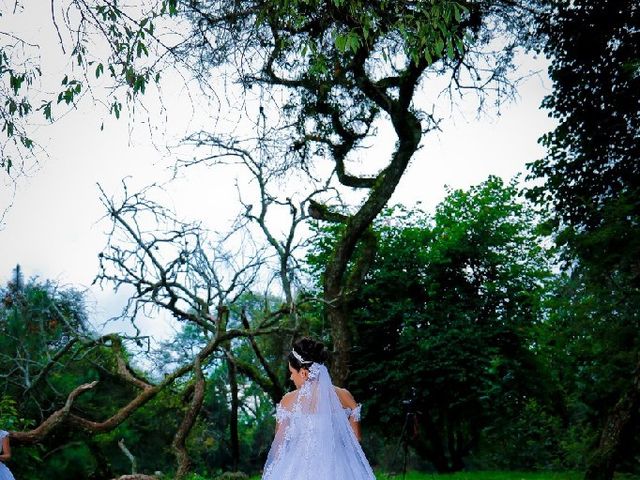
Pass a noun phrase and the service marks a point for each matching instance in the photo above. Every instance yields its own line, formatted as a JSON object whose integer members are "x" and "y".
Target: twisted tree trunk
{"x": 338, "y": 285}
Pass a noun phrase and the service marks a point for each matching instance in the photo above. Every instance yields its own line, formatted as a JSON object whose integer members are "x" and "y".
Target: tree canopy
{"x": 591, "y": 190}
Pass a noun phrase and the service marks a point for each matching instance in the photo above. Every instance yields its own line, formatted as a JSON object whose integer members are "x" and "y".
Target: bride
{"x": 318, "y": 425}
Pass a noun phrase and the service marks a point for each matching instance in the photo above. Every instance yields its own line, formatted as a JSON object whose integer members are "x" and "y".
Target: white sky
{"x": 54, "y": 230}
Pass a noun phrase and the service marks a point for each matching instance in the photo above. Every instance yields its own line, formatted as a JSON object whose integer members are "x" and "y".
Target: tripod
{"x": 403, "y": 440}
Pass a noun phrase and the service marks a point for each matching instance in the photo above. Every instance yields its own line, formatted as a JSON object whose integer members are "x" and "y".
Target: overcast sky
{"x": 54, "y": 227}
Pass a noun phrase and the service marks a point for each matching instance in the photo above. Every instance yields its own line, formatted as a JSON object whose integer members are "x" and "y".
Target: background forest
{"x": 499, "y": 331}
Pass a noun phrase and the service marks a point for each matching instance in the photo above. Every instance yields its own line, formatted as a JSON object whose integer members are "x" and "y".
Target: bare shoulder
{"x": 345, "y": 397}
{"x": 288, "y": 399}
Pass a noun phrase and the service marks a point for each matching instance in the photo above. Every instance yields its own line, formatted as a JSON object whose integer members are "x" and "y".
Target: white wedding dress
{"x": 314, "y": 440}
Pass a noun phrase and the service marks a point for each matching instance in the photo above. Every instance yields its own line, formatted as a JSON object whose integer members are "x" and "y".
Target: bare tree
{"x": 172, "y": 267}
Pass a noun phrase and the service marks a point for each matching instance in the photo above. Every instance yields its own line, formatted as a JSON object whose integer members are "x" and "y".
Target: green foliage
{"x": 36, "y": 319}
{"x": 233, "y": 476}
{"x": 209, "y": 443}
{"x": 429, "y": 31}
{"x": 505, "y": 475}
{"x": 8, "y": 413}
{"x": 589, "y": 342}
{"x": 591, "y": 174}
{"x": 591, "y": 195}
{"x": 528, "y": 438}
{"x": 43, "y": 329}
{"x": 447, "y": 315}
{"x": 74, "y": 460}
{"x": 592, "y": 154}
{"x": 16, "y": 76}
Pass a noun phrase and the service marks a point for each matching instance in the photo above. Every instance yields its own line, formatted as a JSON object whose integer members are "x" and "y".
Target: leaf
{"x": 139, "y": 84}
{"x": 8, "y": 126}
{"x": 341, "y": 42}
{"x": 26, "y": 141}
{"x": 115, "y": 108}
{"x": 46, "y": 110}
{"x": 15, "y": 81}
{"x": 456, "y": 12}
{"x": 173, "y": 7}
{"x": 428, "y": 57}
{"x": 450, "y": 52}
{"x": 142, "y": 49}
{"x": 99, "y": 70}
{"x": 353, "y": 41}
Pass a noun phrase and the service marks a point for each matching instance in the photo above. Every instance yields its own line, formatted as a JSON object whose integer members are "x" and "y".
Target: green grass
{"x": 497, "y": 476}
{"x": 490, "y": 476}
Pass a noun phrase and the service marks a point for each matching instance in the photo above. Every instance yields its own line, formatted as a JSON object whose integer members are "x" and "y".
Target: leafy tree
{"x": 328, "y": 75}
{"x": 446, "y": 316}
{"x": 38, "y": 321}
{"x": 591, "y": 185}
{"x": 346, "y": 67}
{"x": 17, "y": 74}
{"x": 588, "y": 341}
{"x": 43, "y": 327}
{"x": 592, "y": 153}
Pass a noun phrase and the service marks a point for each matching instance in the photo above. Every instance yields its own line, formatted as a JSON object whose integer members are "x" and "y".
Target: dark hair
{"x": 310, "y": 350}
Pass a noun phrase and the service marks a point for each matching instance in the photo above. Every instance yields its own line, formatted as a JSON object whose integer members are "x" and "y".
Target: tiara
{"x": 299, "y": 357}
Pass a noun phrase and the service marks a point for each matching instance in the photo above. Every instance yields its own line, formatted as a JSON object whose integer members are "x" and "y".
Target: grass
{"x": 484, "y": 476}
{"x": 490, "y": 476}
{"x": 496, "y": 476}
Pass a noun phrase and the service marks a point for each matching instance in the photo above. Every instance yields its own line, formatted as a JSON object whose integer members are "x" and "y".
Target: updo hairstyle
{"x": 310, "y": 350}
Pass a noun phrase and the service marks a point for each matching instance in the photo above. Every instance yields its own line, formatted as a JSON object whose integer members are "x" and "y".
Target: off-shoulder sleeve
{"x": 282, "y": 413}
{"x": 354, "y": 413}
